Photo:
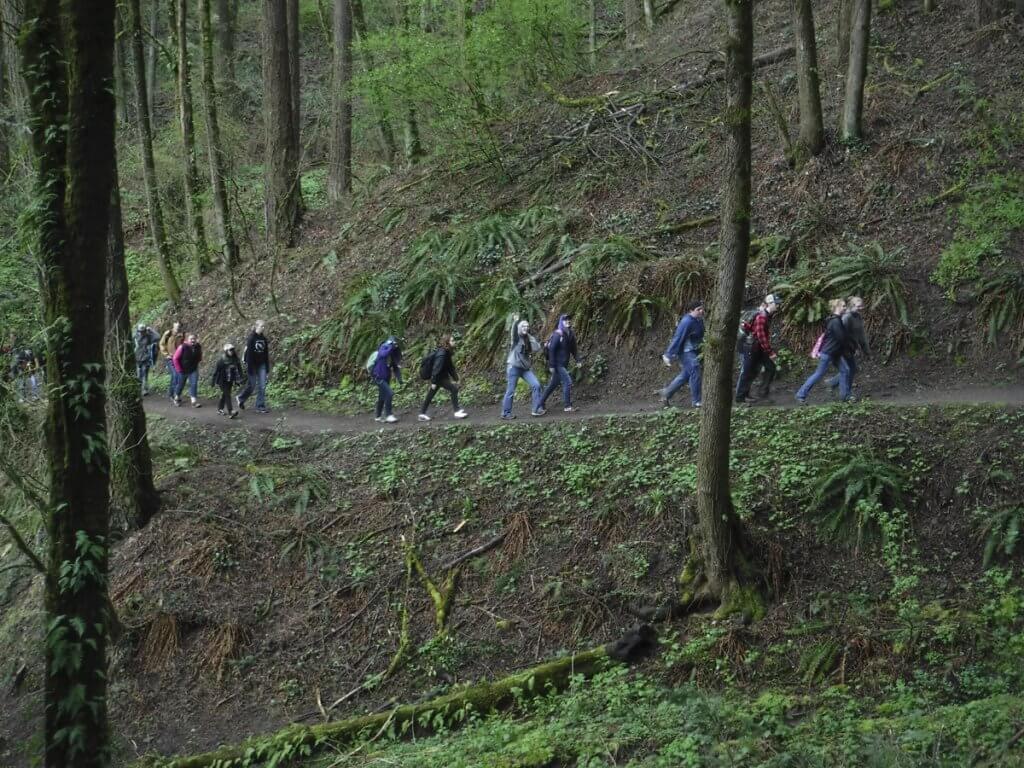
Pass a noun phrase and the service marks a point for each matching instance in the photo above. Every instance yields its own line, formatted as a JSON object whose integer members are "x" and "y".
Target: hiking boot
{"x": 460, "y": 414}
{"x": 390, "y": 418}
{"x": 423, "y": 417}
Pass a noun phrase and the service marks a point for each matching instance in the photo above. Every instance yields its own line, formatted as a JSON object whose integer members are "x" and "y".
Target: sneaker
{"x": 663, "y": 402}
{"x": 146, "y": 393}
{"x": 262, "y": 410}
{"x": 540, "y": 412}
{"x": 240, "y": 403}
{"x": 801, "y": 400}
{"x": 666, "y": 360}
{"x": 378, "y": 418}
{"x": 176, "y": 401}
{"x": 233, "y": 414}
{"x": 423, "y": 417}
{"x": 196, "y": 404}
{"x": 507, "y": 416}
{"x": 220, "y": 411}
{"x": 568, "y": 409}
{"x": 391, "y": 418}
{"x": 696, "y": 405}
{"x": 460, "y": 414}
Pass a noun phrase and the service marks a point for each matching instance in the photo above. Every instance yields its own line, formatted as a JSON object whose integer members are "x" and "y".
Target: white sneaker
{"x": 391, "y": 419}
{"x": 460, "y": 414}
{"x": 666, "y": 361}
{"x": 568, "y": 409}
{"x": 423, "y": 417}
{"x": 378, "y": 418}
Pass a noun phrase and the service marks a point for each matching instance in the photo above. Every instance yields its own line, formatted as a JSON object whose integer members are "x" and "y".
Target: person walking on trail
{"x": 227, "y": 373}
{"x": 518, "y": 366}
{"x": 257, "y": 362}
{"x": 145, "y": 340}
{"x": 829, "y": 350}
{"x": 685, "y": 347}
{"x": 186, "y": 363}
{"x": 170, "y": 341}
{"x": 856, "y": 339}
{"x": 561, "y": 346}
{"x": 382, "y": 363}
{"x": 756, "y": 343}
{"x": 24, "y": 369}
{"x": 439, "y": 368}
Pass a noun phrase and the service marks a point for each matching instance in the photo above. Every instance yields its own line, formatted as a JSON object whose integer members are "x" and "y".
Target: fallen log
{"x": 444, "y": 711}
{"x": 765, "y": 60}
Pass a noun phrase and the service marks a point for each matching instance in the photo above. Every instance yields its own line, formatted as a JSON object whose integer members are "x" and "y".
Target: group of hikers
{"x": 838, "y": 345}
{"x": 182, "y": 353}
{"x": 26, "y": 369}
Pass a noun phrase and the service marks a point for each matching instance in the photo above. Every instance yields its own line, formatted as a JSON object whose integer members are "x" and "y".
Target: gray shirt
{"x": 520, "y": 349}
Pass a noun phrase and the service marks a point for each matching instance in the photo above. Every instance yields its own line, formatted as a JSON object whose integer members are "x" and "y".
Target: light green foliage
{"x": 855, "y": 499}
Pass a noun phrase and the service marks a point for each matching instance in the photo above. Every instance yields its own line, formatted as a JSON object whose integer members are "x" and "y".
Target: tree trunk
{"x": 73, "y": 140}
{"x": 131, "y": 464}
{"x": 631, "y": 19}
{"x": 151, "y": 59}
{"x": 649, "y": 14}
{"x": 844, "y": 20}
{"x": 156, "y": 216}
{"x": 812, "y": 129}
{"x": 5, "y": 151}
{"x": 856, "y": 72}
{"x": 413, "y": 146}
{"x": 193, "y": 207}
{"x": 15, "y": 98}
{"x": 387, "y": 135}
{"x": 592, "y": 37}
{"x": 222, "y": 214}
{"x": 120, "y": 70}
{"x": 720, "y": 542}
{"x": 225, "y": 26}
{"x": 281, "y": 199}
{"x": 295, "y": 79}
{"x": 339, "y": 181}
{"x": 929, "y": 6}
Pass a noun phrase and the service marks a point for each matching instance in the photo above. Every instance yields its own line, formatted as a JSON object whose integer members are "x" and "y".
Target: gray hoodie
{"x": 521, "y": 346}
{"x": 856, "y": 338}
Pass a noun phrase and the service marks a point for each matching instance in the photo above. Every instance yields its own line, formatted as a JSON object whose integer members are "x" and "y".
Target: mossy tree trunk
{"x": 68, "y": 57}
{"x": 413, "y": 145}
{"x": 131, "y": 461}
{"x": 387, "y": 135}
{"x": 151, "y": 60}
{"x": 186, "y": 121}
{"x": 592, "y": 33}
{"x": 215, "y": 150}
{"x": 225, "y": 26}
{"x": 282, "y": 206}
{"x": 156, "y": 216}
{"x": 812, "y": 128}
{"x": 295, "y": 90}
{"x": 120, "y": 70}
{"x": 856, "y": 72}
{"x": 648, "y": 6}
{"x": 5, "y": 150}
{"x": 719, "y": 570}
{"x": 339, "y": 179}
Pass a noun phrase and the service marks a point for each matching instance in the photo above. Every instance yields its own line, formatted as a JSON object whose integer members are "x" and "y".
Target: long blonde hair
{"x": 835, "y": 304}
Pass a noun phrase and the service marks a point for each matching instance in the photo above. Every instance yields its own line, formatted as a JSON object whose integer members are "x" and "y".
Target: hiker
{"x": 382, "y": 363}
{"x": 561, "y": 346}
{"x": 856, "y": 339}
{"x": 829, "y": 351}
{"x": 227, "y": 373}
{"x": 169, "y": 343}
{"x": 756, "y": 345}
{"x": 186, "y": 363}
{"x": 23, "y": 370}
{"x": 439, "y": 369}
{"x": 145, "y": 340}
{"x": 521, "y": 346}
{"x": 685, "y": 347}
{"x": 257, "y": 363}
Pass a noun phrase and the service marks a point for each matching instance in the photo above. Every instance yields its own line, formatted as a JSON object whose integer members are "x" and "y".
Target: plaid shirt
{"x": 759, "y": 329}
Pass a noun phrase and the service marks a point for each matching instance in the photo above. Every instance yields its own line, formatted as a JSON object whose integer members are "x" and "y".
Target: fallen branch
{"x": 685, "y": 226}
{"x": 444, "y": 711}
{"x": 551, "y": 269}
{"x": 772, "y": 57}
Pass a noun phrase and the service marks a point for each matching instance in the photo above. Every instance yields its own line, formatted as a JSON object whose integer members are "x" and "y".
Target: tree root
{"x": 425, "y": 718}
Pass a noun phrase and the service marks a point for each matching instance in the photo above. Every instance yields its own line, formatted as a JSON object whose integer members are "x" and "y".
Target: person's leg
{"x": 170, "y": 376}
{"x": 512, "y": 378}
{"x": 566, "y": 387}
{"x": 534, "y": 382}
{"x": 145, "y": 379}
{"x": 179, "y": 384}
{"x": 851, "y": 373}
{"x": 261, "y": 388}
{"x": 677, "y": 383}
{"x": 833, "y": 382}
{"x": 453, "y": 390}
{"x": 389, "y": 395}
{"x": 223, "y": 396}
{"x": 845, "y": 368}
{"x": 250, "y": 386}
{"x": 824, "y": 361}
{"x": 193, "y": 386}
{"x": 431, "y": 391}
{"x": 551, "y": 387}
{"x": 692, "y": 368}
{"x": 748, "y": 372}
{"x": 769, "y": 369}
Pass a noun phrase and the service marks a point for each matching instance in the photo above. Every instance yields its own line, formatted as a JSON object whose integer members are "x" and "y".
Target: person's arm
{"x": 761, "y": 334}
{"x": 677, "y": 338}
{"x": 176, "y": 358}
{"x": 554, "y": 342}
{"x": 863, "y": 339}
{"x": 573, "y": 350}
{"x": 437, "y": 366}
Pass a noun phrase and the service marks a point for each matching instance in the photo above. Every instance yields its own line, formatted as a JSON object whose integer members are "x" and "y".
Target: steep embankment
{"x": 277, "y": 574}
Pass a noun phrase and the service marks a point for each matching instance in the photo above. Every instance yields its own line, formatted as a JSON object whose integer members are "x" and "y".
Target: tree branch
{"x": 20, "y": 543}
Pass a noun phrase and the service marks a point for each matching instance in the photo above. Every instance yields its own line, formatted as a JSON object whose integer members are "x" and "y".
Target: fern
{"x": 853, "y": 498}
{"x": 677, "y": 280}
{"x": 1001, "y": 303}
{"x": 487, "y": 332}
{"x": 1001, "y": 529}
{"x": 873, "y": 273}
{"x": 615, "y": 251}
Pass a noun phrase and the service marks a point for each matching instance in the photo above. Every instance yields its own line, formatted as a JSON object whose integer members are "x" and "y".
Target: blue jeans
{"x": 690, "y": 373}
{"x": 824, "y": 361}
{"x": 384, "y": 397}
{"x": 560, "y": 376}
{"x": 258, "y": 381}
{"x": 513, "y": 374}
{"x": 192, "y": 379}
{"x": 172, "y": 383}
{"x": 142, "y": 371}
{"x": 847, "y": 368}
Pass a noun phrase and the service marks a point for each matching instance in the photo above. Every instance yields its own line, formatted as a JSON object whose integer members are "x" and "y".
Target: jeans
{"x": 172, "y": 384}
{"x": 690, "y": 373}
{"x": 755, "y": 359}
{"x": 258, "y": 381}
{"x": 225, "y": 398}
{"x": 29, "y": 386}
{"x": 142, "y": 371}
{"x": 560, "y": 376}
{"x": 847, "y": 368}
{"x": 824, "y": 361}
{"x": 192, "y": 379}
{"x": 448, "y": 384}
{"x": 513, "y": 374}
{"x": 384, "y": 397}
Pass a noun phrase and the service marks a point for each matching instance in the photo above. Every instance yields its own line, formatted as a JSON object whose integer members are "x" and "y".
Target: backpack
{"x": 816, "y": 349}
{"x": 371, "y": 361}
{"x": 746, "y": 328}
{"x": 427, "y": 366}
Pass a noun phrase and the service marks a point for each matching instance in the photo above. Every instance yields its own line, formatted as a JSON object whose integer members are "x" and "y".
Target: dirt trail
{"x": 302, "y": 421}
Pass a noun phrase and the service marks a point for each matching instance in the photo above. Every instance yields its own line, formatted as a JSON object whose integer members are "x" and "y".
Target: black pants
{"x": 448, "y": 384}
{"x": 225, "y": 398}
{"x": 753, "y": 362}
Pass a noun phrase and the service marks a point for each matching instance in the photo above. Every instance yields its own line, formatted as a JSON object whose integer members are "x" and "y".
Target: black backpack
{"x": 427, "y": 366}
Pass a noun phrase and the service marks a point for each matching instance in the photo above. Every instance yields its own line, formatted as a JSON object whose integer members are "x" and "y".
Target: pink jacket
{"x": 176, "y": 358}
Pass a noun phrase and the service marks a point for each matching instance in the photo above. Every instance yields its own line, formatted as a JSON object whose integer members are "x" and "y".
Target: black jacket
{"x": 227, "y": 372}
{"x": 191, "y": 356}
{"x": 444, "y": 366}
{"x": 856, "y": 338}
{"x": 257, "y": 351}
{"x": 834, "y": 342}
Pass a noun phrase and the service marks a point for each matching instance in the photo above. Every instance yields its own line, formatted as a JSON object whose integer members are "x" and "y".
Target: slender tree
{"x": 120, "y": 65}
{"x": 812, "y": 128}
{"x": 339, "y": 180}
{"x": 648, "y": 6}
{"x": 856, "y": 72}
{"x": 225, "y": 26}
{"x": 592, "y": 33}
{"x": 68, "y": 58}
{"x": 151, "y": 60}
{"x": 410, "y": 126}
{"x": 387, "y": 135}
{"x": 132, "y": 463}
{"x": 193, "y": 207}
{"x": 156, "y": 216}
{"x": 719, "y": 570}
{"x": 281, "y": 193}
{"x": 4, "y": 148}
{"x": 222, "y": 214}
{"x": 295, "y": 76}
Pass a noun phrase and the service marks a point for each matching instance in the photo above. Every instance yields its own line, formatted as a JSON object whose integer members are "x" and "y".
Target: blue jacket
{"x": 389, "y": 359}
{"x": 561, "y": 346}
{"x": 688, "y": 337}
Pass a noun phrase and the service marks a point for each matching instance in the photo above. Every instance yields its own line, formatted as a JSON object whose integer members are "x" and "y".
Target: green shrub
{"x": 872, "y": 273}
{"x": 1000, "y": 528}
{"x": 852, "y": 501}
{"x": 1001, "y": 304}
